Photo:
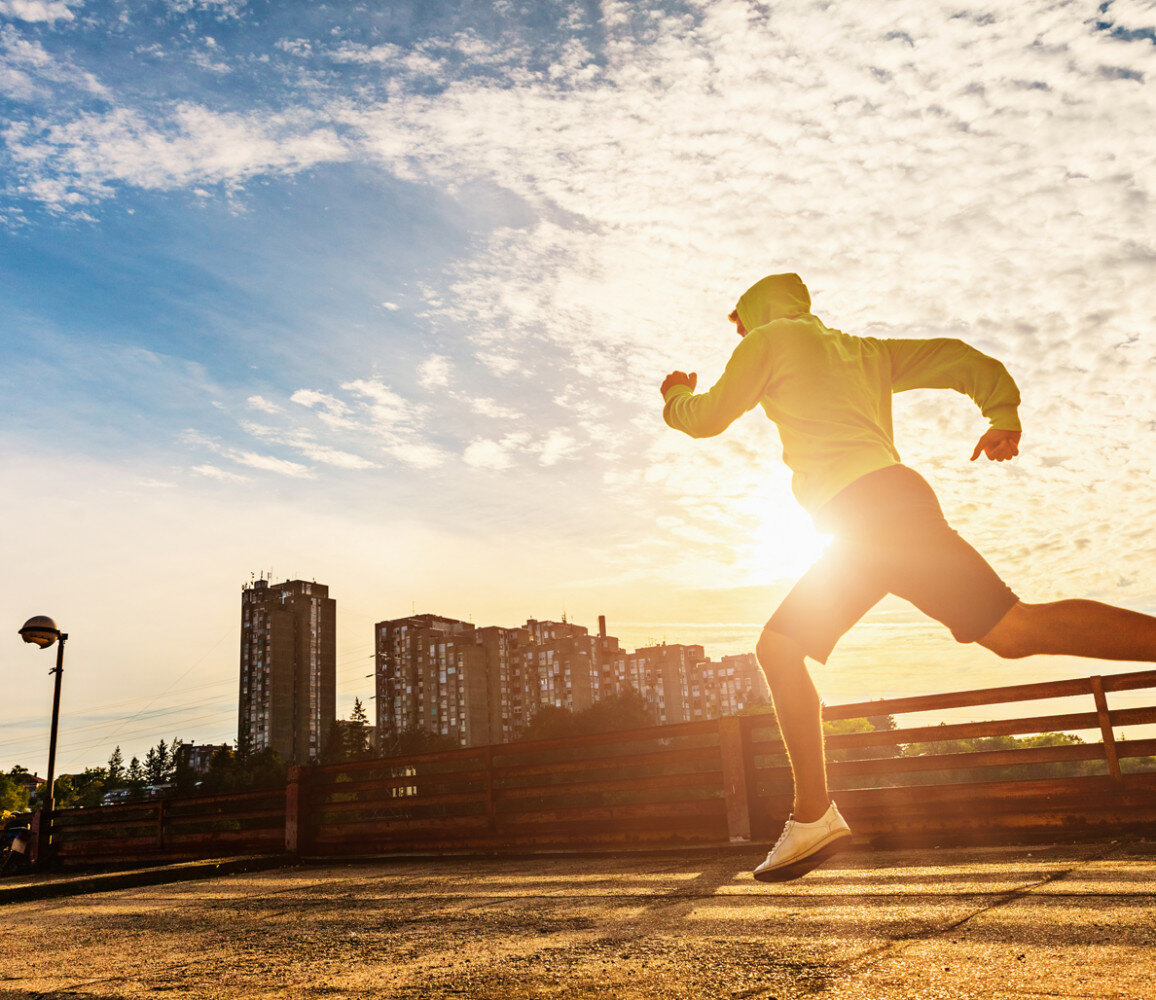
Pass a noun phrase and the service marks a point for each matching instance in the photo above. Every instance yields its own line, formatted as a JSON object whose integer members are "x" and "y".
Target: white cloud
{"x": 931, "y": 170}
{"x": 377, "y": 418}
{"x": 557, "y": 446}
{"x": 418, "y": 454}
{"x": 372, "y": 54}
{"x": 77, "y": 161}
{"x": 487, "y": 454}
{"x": 300, "y": 47}
{"x": 491, "y": 408}
{"x": 330, "y": 410}
{"x": 332, "y": 456}
{"x": 500, "y": 364}
{"x": 212, "y": 472}
{"x": 311, "y": 398}
{"x": 434, "y": 372}
{"x": 264, "y": 405}
{"x": 28, "y": 71}
{"x": 490, "y": 453}
{"x": 39, "y": 10}
{"x": 385, "y": 407}
{"x": 267, "y": 463}
{"x": 305, "y": 443}
{"x": 223, "y": 9}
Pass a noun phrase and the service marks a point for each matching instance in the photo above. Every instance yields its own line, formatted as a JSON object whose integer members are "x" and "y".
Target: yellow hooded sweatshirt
{"x": 829, "y": 393}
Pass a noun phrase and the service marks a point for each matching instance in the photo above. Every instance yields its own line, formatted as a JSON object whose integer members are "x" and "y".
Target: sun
{"x": 783, "y": 544}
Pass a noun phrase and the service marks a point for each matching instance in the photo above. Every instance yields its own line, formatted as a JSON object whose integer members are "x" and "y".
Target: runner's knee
{"x": 776, "y": 651}
{"x": 1012, "y": 637}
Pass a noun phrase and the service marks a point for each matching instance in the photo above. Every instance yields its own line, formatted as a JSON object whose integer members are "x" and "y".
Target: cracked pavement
{"x": 1060, "y": 922}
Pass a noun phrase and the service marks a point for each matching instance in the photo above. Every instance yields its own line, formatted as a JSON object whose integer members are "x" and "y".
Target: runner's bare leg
{"x": 800, "y": 721}
{"x": 1074, "y": 628}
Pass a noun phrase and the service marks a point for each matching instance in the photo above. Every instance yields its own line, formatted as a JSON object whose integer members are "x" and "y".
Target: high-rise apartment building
{"x": 715, "y": 689}
{"x": 432, "y": 676}
{"x": 288, "y": 668}
{"x": 484, "y": 685}
{"x": 659, "y": 673}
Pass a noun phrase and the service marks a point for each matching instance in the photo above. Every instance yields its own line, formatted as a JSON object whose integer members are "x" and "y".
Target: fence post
{"x": 296, "y": 810}
{"x": 732, "y": 751}
{"x": 1110, "y": 754}
{"x": 34, "y": 833}
{"x": 160, "y": 825}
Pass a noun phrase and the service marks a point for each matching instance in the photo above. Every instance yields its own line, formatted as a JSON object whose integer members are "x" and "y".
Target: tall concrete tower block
{"x": 288, "y": 690}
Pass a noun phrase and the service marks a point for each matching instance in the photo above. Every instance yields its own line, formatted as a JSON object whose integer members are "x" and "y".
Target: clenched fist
{"x": 679, "y": 378}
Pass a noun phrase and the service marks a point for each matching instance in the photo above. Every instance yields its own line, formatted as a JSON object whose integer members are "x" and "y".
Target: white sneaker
{"x": 803, "y": 846}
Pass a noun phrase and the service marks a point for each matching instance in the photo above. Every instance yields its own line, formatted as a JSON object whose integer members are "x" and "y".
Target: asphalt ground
{"x": 1057, "y": 922}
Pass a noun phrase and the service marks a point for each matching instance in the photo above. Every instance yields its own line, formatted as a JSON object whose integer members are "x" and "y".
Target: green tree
{"x": 263, "y": 769}
{"x": 335, "y": 750}
{"x": 115, "y": 768}
{"x": 84, "y": 790}
{"x": 357, "y": 735}
{"x": 152, "y": 767}
{"x": 627, "y": 710}
{"x": 230, "y": 772}
{"x": 983, "y": 744}
{"x": 415, "y": 741}
{"x": 222, "y": 775}
{"x": 550, "y": 722}
{"x": 184, "y": 777}
{"x": 13, "y": 792}
{"x": 158, "y": 764}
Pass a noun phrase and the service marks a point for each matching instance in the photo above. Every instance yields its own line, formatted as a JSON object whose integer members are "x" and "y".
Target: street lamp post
{"x": 42, "y": 631}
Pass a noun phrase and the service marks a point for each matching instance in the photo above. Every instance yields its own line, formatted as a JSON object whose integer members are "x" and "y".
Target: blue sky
{"x": 381, "y": 295}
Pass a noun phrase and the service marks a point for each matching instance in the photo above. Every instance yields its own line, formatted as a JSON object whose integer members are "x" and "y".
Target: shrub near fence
{"x": 697, "y": 783}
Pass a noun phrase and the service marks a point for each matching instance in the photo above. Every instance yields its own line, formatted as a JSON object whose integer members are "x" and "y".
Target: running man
{"x": 829, "y": 393}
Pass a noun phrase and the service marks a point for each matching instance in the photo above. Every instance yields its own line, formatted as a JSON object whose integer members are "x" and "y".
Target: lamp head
{"x": 40, "y": 630}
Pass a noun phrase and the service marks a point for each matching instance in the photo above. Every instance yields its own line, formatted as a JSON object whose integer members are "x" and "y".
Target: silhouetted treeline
{"x": 628, "y": 710}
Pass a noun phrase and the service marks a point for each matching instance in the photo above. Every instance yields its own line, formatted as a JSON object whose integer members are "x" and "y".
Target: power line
{"x": 192, "y": 666}
{"x": 352, "y": 662}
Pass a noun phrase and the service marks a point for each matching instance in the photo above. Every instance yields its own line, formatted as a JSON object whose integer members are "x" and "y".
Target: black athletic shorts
{"x": 890, "y": 538}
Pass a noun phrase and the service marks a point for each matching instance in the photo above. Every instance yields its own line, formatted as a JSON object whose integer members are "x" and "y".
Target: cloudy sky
{"x": 381, "y": 295}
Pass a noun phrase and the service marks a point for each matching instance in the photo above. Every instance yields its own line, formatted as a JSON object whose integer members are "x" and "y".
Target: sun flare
{"x": 784, "y": 544}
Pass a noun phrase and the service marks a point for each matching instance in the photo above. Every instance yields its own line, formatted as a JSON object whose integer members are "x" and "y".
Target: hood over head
{"x": 778, "y": 296}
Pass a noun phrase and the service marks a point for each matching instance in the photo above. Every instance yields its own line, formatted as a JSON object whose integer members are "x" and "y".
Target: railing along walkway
{"x": 695, "y": 783}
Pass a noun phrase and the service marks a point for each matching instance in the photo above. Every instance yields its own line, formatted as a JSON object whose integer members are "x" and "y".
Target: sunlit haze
{"x": 382, "y": 298}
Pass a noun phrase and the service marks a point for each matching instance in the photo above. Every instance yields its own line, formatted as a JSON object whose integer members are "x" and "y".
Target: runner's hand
{"x": 679, "y": 378}
{"x": 997, "y": 445}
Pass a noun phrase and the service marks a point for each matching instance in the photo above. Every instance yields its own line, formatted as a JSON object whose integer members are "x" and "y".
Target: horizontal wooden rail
{"x": 696, "y": 782}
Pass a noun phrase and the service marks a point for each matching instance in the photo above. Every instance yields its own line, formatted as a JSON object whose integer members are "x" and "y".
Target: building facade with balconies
{"x": 288, "y": 675}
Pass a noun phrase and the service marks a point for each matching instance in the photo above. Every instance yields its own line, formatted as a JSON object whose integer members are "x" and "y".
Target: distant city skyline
{"x": 381, "y": 295}
{"x": 477, "y": 685}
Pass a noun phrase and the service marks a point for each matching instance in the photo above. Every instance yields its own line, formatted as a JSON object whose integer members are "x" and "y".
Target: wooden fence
{"x": 700, "y": 783}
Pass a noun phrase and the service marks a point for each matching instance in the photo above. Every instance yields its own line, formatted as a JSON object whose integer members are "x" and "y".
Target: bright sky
{"x": 381, "y": 296}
